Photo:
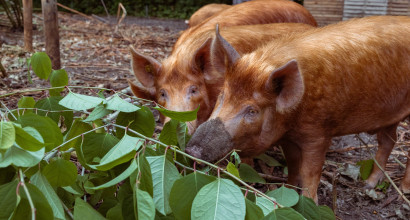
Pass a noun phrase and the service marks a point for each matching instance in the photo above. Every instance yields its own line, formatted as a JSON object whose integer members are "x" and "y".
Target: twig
{"x": 272, "y": 178}
{"x": 76, "y": 12}
{"x": 342, "y": 150}
{"x": 119, "y": 20}
{"x": 105, "y": 8}
{"x": 30, "y": 201}
{"x": 3, "y": 70}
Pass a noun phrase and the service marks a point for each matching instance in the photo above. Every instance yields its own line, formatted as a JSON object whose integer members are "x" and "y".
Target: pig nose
{"x": 192, "y": 150}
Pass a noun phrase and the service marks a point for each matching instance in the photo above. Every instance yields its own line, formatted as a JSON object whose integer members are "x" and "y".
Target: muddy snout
{"x": 210, "y": 142}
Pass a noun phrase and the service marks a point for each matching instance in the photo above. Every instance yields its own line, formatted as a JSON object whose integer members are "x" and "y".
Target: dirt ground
{"x": 94, "y": 54}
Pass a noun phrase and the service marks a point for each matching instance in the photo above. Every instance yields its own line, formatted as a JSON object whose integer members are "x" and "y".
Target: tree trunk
{"x": 28, "y": 24}
{"x": 49, "y": 8}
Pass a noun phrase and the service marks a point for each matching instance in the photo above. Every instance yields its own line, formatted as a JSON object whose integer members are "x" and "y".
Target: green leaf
{"x": 284, "y": 196}
{"x": 265, "y": 204}
{"x": 119, "y": 178}
{"x": 80, "y": 102}
{"x": 21, "y": 158}
{"x": 55, "y": 110}
{"x": 179, "y": 116}
{"x": 168, "y": 134}
{"x": 182, "y": 135}
{"x": 184, "y": 191}
{"x": 7, "y": 135}
{"x": 42, "y": 184}
{"x": 115, "y": 213}
{"x": 76, "y": 129}
{"x": 145, "y": 205}
{"x": 144, "y": 174}
{"x": 58, "y": 78}
{"x": 285, "y": 213}
{"x": 307, "y": 207}
{"x": 164, "y": 174}
{"x": 122, "y": 152}
{"x": 28, "y": 138}
{"x": 98, "y": 112}
{"x": 41, "y": 65}
{"x": 326, "y": 213}
{"x": 252, "y": 211}
{"x": 94, "y": 147}
{"x": 118, "y": 104}
{"x": 248, "y": 174}
{"x": 43, "y": 209}
{"x": 60, "y": 172}
{"x": 45, "y": 126}
{"x": 269, "y": 160}
{"x": 232, "y": 169}
{"x": 83, "y": 210}
{"x": 141, "y": 121}
{"x": 220, "y": 199}
{"x": 366, "y": 167}
{"x": 8, "y": 201}
{"x": 26, "y": 102}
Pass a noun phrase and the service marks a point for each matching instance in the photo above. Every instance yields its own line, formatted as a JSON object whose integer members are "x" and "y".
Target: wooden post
{"x": 50, "y": 19}
{"x": 28, "y": 24}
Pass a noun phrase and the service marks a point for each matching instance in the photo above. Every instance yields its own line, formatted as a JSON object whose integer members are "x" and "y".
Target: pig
{"x": 190, "y": 77}
{"x": 300, "y": 91}
{"x": 205, "y": 12}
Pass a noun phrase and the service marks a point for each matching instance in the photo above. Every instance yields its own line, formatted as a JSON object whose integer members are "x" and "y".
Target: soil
{"x": 96, "y": 55}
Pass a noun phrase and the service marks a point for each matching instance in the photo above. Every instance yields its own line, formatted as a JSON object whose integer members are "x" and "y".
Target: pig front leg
{"x": 313, "y": 158}
{"x": 386, "y": 139}
{"x": 293, "y": 159}
{"x": 405, "y": 183}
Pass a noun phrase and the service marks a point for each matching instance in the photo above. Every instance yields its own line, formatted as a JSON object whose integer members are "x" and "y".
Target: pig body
{"x": 191, "y": 76}
{"x": 205, "y": 12}
{"x": 300, "y": 92}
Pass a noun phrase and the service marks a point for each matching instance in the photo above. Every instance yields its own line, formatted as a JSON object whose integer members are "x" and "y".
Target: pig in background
{"x": 205, "y": 12}
{"x": 187, "y": 78}
{"x": 301, "y": 91}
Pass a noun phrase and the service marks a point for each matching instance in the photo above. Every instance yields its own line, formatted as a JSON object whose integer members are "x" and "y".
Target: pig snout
{"x": 210, "y": 142}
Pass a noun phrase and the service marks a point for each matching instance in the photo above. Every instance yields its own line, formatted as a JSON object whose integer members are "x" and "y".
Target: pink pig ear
{"x": 144, "y": 68}
{"x": 287, "y": 84}
{"x": 220, "y": 42}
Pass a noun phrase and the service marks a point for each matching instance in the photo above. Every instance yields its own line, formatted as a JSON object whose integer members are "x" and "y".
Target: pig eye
{"x": 193, "y": 90}
{"x": 251, "y": 112}
{"x": 162, "y": 93}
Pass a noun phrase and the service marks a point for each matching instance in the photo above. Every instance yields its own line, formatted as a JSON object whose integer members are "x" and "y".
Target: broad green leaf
{"x": 326, "y": 213}
{"x": 182, "y": 135}
{"x": 141, "y": 121}
{"x": 98, "y": 112}
{"x": 58, "y": 78}
{"x": 366, "y": 167}
{"x": 145, "y": 205}
{"x": 164, "y": 174}
{"x": 41, "y": 65}
{"x": 7, "y": 174}
{"x": 119, "y": 178}
{"x": 128, "y": 204}
{"x": 269, "y": 160}
{"x": 144, "y": 174}
{"x": 60, "y": 172}
{"x": 118, "y": 104}
{"x": 179, "y": 116}
{"x": 43, "y": 209}
{"x": 122, "y": 152}
{"x": 48, "y": 129}
{"x": 248, "y": 174}
{"x": 50, "y": 104}
{"x": 42, "y": 184}
{"x": 220, "y": 199}
{"x": 28, "y": 138}
{"x": 115, "y": 213}
{"x": 7, "y": 135}
{"x": 284, "y": 196}
{"x": 80, "y": 102}
{"x": 265, "y": 204}
{"x": 307, "y": 207}
{"x": 94, "y": 147}
{"x": 83, "y": 210}
{"x": 252, "y": 211}
{"x": 76, "y": 129}
{"x": 8, "y": 201}
{"x": 285, "y": 213}
{"x": 26, "y": 102}
{"x": 184, "y": 191}
{"x": 168, "y": 134}
{"x": 232, "y": 169}
{"x": 21, "y": 158}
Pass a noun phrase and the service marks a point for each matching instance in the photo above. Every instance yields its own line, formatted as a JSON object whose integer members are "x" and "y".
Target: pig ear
{"x": 142, "y": 92}
{"x": 144, "y": 67}
{"x": 287, "y": 84}
{"x": 230, "y": 52}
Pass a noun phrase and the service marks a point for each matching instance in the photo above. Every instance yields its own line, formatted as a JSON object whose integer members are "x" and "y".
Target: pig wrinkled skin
{"x": 190, "y": 76}
{"x": 302, "y": 90}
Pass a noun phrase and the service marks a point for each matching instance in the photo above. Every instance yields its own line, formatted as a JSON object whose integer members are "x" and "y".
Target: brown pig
{"x": 303, "y": 90}
{"x": 205, "y": 12}
{"x": 191, "y": 77}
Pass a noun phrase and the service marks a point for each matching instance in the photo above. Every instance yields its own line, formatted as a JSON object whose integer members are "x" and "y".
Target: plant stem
{"x": 30, "y": 201}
